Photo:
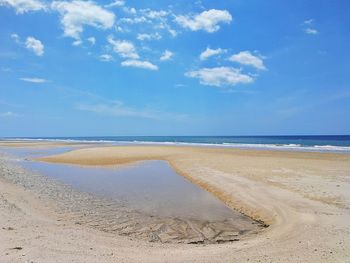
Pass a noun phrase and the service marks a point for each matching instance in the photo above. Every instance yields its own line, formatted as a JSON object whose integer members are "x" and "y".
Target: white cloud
{"x": 35, "y": 45}
{"x": 308, "y": 27}
{"x": 23, "y": 6}
{"x": 308, "y": 22}
{"x": 9, "y": 114}
{"x": 144, "y": 16}
{"x": 135, "y": 20}
{"x": 129, "y": 10}
{"x": 220, "y": 76}
{"x": 119, "y": 29}
{"x": 92, "y": 40}
{"x": 139, "y": 64}
{"x": 116, "y": 3}
{"x": 76, "y": 14}
{"x": 155, "y": 19}
{"x": 167, "y": 55}
{"x": 106, "y": 57}
{"x": 248, "y": 59}
{"x": 172, "y": 32}
{"x": 143, "y": 37}
{"x": 34, "y": 80}
{"x": 16, "y": 38}
{"x": 123, "y": 48}
{"x": 207, "y": 20}
{"x": 154, "y": 14}
{"x": 311, "y": 31}
{"x": 31, "y": 44}
{"x": 159, "y": 19}
{"x": 77, "y": 42}
{"x": 211, "y": 52}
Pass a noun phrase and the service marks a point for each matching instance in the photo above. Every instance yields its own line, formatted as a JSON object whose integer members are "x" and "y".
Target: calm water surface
{"x": 152, "y": 187}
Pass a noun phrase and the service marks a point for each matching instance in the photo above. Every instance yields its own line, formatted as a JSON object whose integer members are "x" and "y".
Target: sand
{"x": 304, "y": 197}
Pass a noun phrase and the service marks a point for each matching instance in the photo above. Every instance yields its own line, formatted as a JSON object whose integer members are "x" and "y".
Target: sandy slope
{"x": 304, "y": 196}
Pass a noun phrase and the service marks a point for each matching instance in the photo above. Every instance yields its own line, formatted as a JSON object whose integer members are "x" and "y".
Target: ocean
{"x": 318, "y": 143}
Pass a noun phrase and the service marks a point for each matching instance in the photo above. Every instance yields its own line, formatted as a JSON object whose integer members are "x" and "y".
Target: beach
{"x": 302, "y": 198}
{"x": 174, "y": 131}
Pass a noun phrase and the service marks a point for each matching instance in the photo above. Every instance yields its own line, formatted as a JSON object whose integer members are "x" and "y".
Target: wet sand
{"x": 146, "y": 201}
{"x": 304, "y": 196}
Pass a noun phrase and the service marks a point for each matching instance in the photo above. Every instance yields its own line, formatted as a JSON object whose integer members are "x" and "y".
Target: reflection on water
{"x": 147, "y": 200}
{"x": 150, "y": 186}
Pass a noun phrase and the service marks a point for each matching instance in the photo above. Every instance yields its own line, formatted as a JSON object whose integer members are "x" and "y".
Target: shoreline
{"x": 290, "y": 147}
{"x": 261, "y": 190}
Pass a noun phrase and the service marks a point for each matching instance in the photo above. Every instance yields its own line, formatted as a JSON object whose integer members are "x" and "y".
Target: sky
{"x": 114, "y": 67}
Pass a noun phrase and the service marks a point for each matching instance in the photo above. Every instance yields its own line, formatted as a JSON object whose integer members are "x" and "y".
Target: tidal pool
{"x": 152, "y": 187}
{"x": 149, "y": 201}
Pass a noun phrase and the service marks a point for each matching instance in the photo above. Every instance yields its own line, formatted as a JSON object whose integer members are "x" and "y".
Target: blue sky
{"x": 240, "y": 67}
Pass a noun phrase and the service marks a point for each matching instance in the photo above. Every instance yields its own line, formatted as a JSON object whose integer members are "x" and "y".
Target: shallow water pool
{"x": 152, "y": 187}
{"x": 147, "y": 200}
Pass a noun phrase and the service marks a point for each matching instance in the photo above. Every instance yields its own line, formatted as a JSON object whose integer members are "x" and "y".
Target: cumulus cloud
{"x": 24, "y": 6}
{"x": 220, "y": 76}
{"x": 129, "y": 10}
{"x": 154, "y": 14}
{"x": 156, "y": 19}
{"x": 211, "y": 52}
{"x": 31, "y": 43}
{"x": 105, "y": 57}
{"x": 34, "y": 80}
{"x": 123, "y": 48}
{"x": 145, "y": 16}
{"x": 76, "y": 14}
{"x": 207, "y": 20}
{"x": 167, "y": 55}
{"x": 248, "y": 59}
{"x": 139, "y": 64}
{"x": 134, "y": 20}
{"x": 311, "y": 31}
{"x": 143, "y": 37}
{"x": 35, "y": 45}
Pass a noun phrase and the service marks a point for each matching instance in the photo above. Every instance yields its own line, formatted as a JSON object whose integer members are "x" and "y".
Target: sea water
{"x": 314, "y": 143}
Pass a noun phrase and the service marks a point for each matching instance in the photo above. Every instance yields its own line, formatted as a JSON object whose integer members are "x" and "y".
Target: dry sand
{"x": 305, "y": 197}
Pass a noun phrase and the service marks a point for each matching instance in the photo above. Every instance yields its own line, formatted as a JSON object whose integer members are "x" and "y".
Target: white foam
{"x": 282, "y": 147}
